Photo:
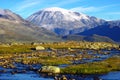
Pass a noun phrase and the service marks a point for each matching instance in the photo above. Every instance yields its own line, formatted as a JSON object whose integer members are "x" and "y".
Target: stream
{"x": 24, "y": 72}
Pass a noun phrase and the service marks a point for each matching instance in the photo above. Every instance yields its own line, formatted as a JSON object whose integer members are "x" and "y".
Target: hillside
{"x": 15, "y": 28}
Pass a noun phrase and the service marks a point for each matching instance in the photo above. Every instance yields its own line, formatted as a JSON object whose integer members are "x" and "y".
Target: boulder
{"x": 39, "y": 48}
{"x": 50, "y": 69}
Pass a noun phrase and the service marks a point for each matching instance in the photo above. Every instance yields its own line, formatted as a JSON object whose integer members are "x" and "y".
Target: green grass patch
{"x": 106, "y": 66}
{"x": 15, "y": 49}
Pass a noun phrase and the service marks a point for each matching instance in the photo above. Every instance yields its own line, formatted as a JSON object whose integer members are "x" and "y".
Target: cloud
{"x": 26, "y": 4}
{"x": 92, "y": 8}
{"x": 26, "y": 7}
{"x": 65, "y": 2}
{"x": 84, "y": 9}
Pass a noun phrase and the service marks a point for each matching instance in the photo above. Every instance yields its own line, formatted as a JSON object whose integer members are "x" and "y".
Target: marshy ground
{"x": 73, "y": 58}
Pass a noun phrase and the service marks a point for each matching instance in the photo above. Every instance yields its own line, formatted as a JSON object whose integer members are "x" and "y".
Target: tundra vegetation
{"x": 111, "y": 64}
{"x": 58, "y": 53}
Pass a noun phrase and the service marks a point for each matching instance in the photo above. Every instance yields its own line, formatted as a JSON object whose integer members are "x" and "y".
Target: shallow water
{"x": 111, "y": 76}
{"x": 33, "y": 75}
{"x": 23, "y": 76}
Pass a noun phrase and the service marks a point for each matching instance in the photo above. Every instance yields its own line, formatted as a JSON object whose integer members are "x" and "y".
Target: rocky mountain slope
{"x": 64, "y": 22}
{"x": 15, "y": 28}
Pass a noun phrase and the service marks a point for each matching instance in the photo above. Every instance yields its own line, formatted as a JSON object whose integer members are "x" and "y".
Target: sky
{"x": 104, "y": 9}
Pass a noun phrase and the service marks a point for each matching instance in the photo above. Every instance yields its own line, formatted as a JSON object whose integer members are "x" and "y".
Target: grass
{"x": 45, "y": 61}
{"x": 81, "y": 45}
{"x": 15, "y": 49}
{"x": 58, "y": 45}
{"x": 111, "y": 64}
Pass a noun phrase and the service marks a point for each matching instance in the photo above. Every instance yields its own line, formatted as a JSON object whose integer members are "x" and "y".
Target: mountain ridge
{"x": 63, "y": 22}
{"x": 110, "y": 29}
{"x": 56, "y": 24}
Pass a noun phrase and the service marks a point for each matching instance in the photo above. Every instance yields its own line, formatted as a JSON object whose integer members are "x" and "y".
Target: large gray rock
{"x": 39, "y": 48}
{"x": 50, "y": 69}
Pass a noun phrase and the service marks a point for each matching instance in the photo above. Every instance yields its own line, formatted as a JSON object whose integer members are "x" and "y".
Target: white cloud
{"x": 92, "y": 8}
{"x": 65, "y": 2}
{"x": 84, "y": 9}
{"x": 26, "y": 4}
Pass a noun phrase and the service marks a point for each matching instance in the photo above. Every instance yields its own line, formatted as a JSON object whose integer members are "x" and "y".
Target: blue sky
{"x": 105, "y": 9}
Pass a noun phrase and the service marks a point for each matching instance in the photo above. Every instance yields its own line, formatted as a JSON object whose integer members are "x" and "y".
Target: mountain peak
{"x": 55, "y": 9}
{"x": 58, "y": 13}
{"x": 9, "y": 15}
{"x": 4, "y": 11}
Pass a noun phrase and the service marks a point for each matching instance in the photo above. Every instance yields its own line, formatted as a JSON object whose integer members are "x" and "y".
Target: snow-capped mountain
{"x": 64, "y": 22}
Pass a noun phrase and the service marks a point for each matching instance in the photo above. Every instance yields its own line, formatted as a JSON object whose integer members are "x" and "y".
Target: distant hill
{"x": 15, "y": 28}
{"x": 92, "y": 38}
{"x": 110, "y": 29}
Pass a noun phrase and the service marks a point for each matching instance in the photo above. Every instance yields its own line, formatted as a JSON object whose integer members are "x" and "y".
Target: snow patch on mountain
{"x": 62, "y": 20}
